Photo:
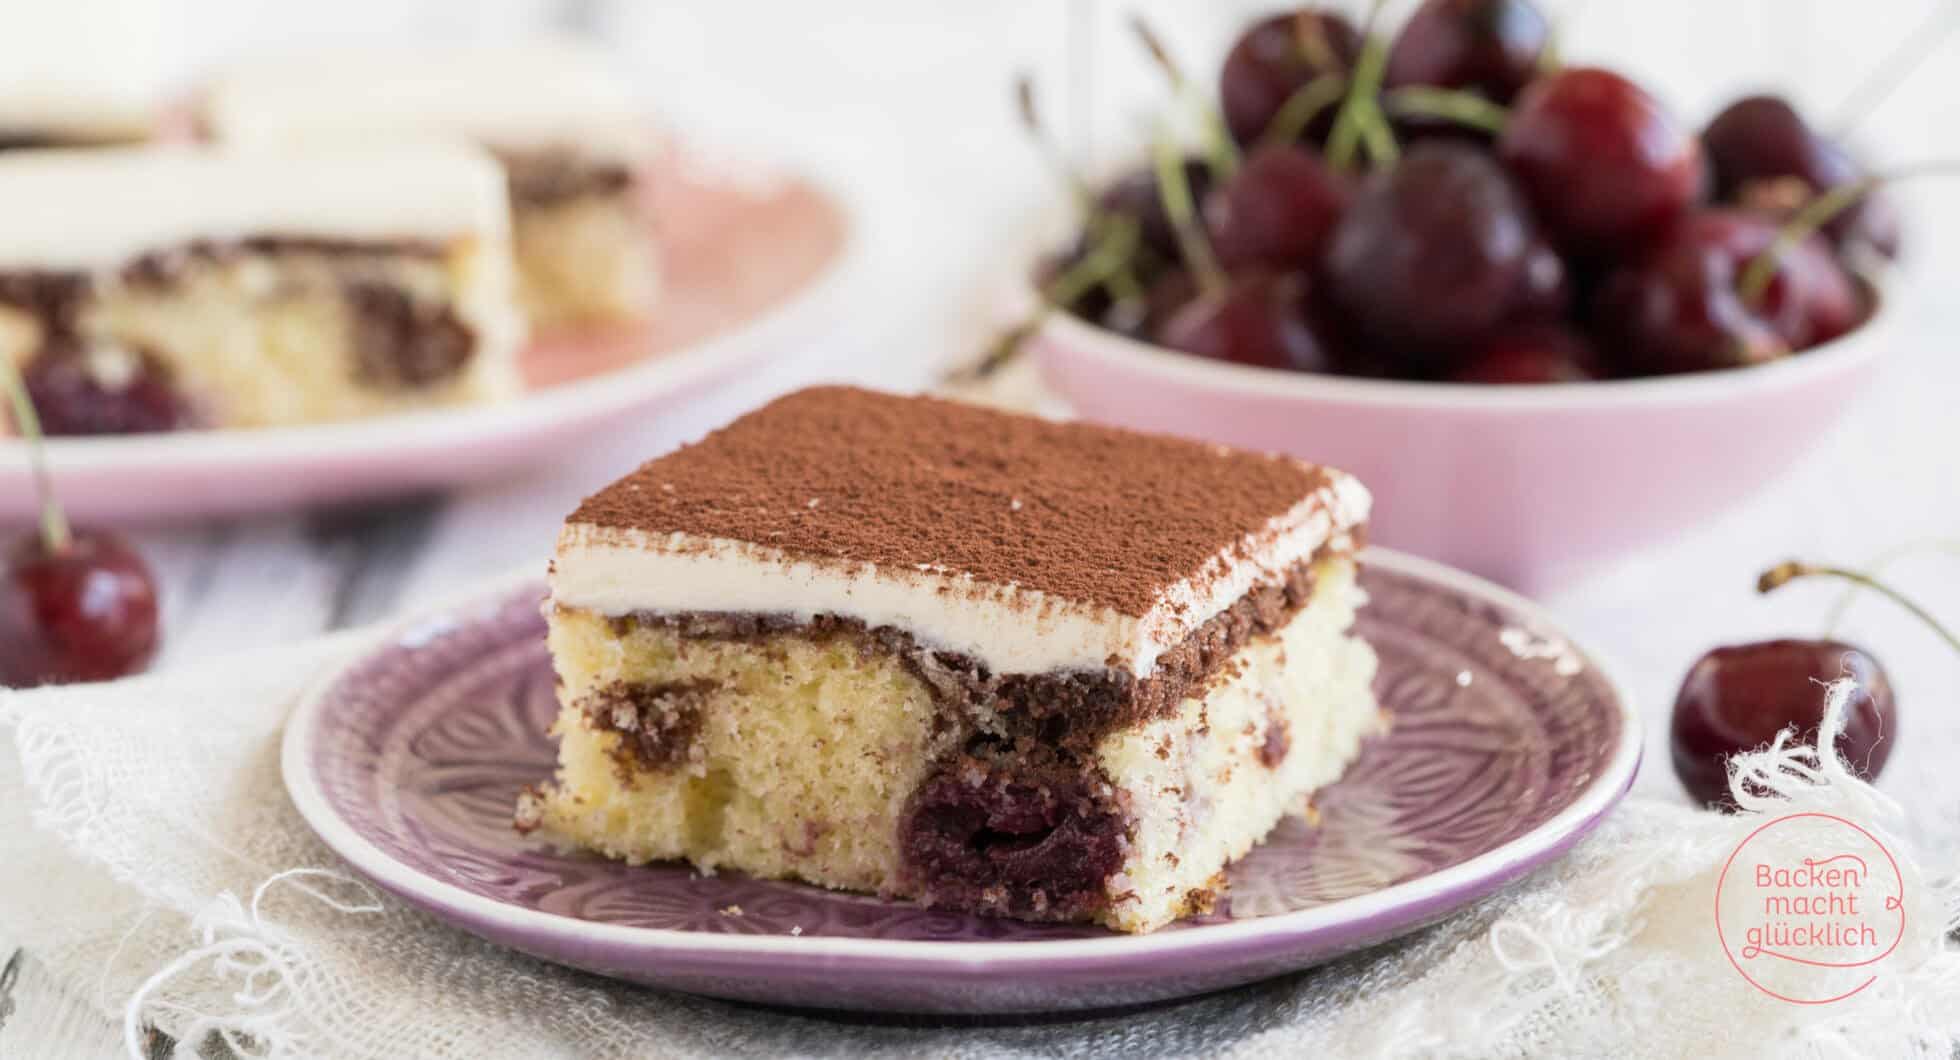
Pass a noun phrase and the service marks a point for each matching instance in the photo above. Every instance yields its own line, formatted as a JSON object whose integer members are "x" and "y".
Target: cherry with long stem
{"x": 75, "y": 605}
{"x": 55, "y": 532}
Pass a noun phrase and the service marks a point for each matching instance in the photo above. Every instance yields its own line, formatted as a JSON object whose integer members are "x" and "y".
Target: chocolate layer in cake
{"x": 1071, "y": 709}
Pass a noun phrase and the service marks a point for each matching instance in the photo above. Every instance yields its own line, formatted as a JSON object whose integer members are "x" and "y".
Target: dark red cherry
{"x": 1431, "y": 254}
{"x": 1488, "y": 46}
{"x": 1765, "y": 156}
{"x": 72, "y": 400}
{"x": 1738, "y": 698}
{"x": 1262, "y": 320}
{"x": 1136, "y": 196}
{"x": 1602, "y": 162}
{"x": 1530, "y": 353}
{"x": 1545, "y": 287}
{"x": 1277, "y": 212}
{"x": 85, "y": 612}
{"x": 1677, "y": 307}
{"x": 1278, "y": 56}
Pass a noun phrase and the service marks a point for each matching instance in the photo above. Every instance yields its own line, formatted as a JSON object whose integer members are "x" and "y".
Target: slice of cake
{"x": 153, "y": 288}
{"x": 988, "y": 662}
{"x": 569, "y": 132}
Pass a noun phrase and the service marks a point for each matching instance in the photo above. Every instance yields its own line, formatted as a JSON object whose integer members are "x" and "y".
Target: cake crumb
{"x": 796, "y": 929}
{"x": 731, "y": 910}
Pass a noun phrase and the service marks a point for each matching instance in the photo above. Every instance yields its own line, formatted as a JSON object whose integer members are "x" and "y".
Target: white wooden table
{"x": 932, "y": 76}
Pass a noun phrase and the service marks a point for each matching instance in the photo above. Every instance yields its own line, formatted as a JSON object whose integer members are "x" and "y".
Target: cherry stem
{"x": 1030, "y": 111}
{"x": 1817, "y": 213}
{"x": 1878, "y": 567}
{"x": 1094, "y": 217}
{"x": 1221, "y": 154}
{"x": 1106, "y": 260}
{"x": 1310, "y": 35}
{"x": 55, "y": 533}
{"x": 1464, "y": 108}
{"x": 1905, "y": 58}
{"x": 1175, "y": 193}
{"x": 1360, "y": 120}
{"x": 1784, "y": 573}
{"x": 1302, "y": 107}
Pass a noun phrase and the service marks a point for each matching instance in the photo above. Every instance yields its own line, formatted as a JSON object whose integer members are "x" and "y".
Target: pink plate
{"x": 1530, "y": 485}
{"x": 752, "y": 269}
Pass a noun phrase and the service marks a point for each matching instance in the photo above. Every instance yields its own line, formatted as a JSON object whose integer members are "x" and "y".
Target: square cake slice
{"x": 988, "y": 662}
{"x": 146, "y": 289}
{"x": 571, "y": 134}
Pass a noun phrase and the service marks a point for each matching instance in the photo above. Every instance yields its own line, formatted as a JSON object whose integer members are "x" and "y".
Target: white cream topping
{"x": 103, "y": 207}
{"x": 533, "y": 96}
{"x": 1009, "y": 628}
{"x": 80, "y": 69}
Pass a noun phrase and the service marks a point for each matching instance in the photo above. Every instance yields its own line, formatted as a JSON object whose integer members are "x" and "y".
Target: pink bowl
{"x": 1528, "y": 485}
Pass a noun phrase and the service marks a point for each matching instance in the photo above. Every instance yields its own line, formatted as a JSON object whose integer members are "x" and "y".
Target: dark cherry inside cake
{"x": 987, "y": 662}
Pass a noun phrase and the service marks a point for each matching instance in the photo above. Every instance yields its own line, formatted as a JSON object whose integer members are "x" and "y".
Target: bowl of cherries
{"x": 1544, "y": 319}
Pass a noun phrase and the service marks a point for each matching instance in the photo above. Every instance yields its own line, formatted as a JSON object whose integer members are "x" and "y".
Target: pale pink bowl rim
{"x": 1065, "y": 331}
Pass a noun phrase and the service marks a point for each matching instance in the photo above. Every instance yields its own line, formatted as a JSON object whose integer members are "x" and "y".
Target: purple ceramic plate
{"x": 1508, "y": 744}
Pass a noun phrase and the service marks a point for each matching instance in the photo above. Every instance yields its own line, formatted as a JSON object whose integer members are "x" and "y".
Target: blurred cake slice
{"x": 988, "y": 662}
{"x": 153, "y": 288}
{"x": 569, "y": 132}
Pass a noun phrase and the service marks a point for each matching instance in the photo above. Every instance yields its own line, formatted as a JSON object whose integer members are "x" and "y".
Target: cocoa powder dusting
{"x": 1092, "y": 514}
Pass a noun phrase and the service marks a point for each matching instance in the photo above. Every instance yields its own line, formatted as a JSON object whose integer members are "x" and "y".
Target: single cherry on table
{"x": 74, "y": 605}
{"x": 82, "y": 611}
{"x": 1737, "y": 698}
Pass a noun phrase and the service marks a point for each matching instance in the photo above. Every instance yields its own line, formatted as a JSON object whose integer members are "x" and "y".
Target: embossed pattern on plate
{"x": 1500, "y": 727}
